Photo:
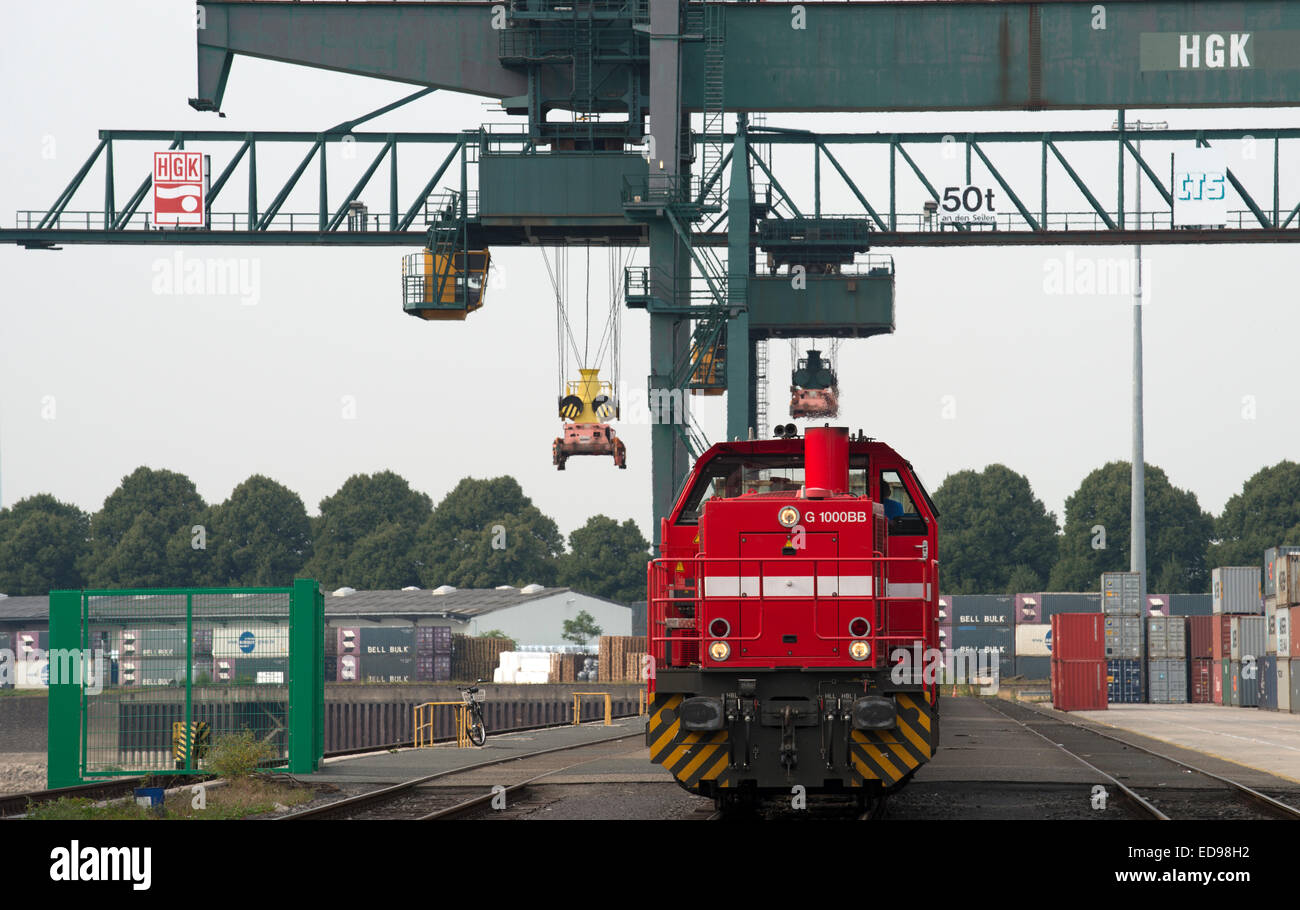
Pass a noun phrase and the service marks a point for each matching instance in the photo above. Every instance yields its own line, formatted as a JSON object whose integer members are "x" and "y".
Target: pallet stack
{"x": 614, "y": 654}
{"x": 565, "y": 667}
{"x": 476, "y": 658}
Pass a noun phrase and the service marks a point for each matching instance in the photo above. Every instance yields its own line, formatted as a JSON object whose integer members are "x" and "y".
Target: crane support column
{"x": 740, "y": 347}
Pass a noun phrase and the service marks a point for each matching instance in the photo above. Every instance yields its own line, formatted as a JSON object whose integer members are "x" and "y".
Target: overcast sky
{"x": 101, "y": 373}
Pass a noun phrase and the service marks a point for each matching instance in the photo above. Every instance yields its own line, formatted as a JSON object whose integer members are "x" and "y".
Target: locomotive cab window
{"x": 900, "y": 509}
{"x": 729, "y": 476}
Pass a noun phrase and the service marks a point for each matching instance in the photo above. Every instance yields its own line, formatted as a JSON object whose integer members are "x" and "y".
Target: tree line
{"x": 374, "y": 533}
{"x": 995, "y": 536}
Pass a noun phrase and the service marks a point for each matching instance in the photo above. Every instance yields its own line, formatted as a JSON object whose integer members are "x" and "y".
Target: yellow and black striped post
{"x": 692, "y": 757}
{"x": 199, "y": 740}
{"x": 890, "y": 755}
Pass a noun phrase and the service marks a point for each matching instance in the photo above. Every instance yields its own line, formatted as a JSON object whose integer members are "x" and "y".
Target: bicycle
{"x": 474, "y": 697}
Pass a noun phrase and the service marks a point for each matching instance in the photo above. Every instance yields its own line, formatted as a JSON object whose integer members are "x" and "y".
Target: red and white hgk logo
{"x": 178, "y": 188}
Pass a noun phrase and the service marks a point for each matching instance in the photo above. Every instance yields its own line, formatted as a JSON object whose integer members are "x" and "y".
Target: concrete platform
{"x": 406, "y": 764}
{"x": 1229, "y": 739}
{"x": 976, "y": 743}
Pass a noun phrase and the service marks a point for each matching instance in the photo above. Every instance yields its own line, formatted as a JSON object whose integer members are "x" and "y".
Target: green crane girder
{"x": 668, "y": 58}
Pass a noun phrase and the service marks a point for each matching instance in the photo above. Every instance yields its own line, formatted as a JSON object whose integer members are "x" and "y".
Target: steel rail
{"x": 385, "y": 794}
{"x": 1241, "y": 788}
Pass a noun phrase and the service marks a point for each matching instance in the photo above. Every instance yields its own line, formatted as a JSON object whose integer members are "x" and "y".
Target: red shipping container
{"x": 1216, "y": 681}
{"x": 1295, "y": 640}
{"x": 1200, "y": 637}
{"x": 1221, "y": 634}
{"x": 1078, "y": 685}
{"x": 1080, "y": 636}
{"x": 1201, "y": 690}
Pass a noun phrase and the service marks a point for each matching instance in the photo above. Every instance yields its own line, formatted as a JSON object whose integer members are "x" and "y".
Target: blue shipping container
{"x": 1124, "y": 682}
{"x": 1034, "y": 667}
{"x": 1191, "y": 605}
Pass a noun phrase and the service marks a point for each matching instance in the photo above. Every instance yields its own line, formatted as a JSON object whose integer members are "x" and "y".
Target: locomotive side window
{"x": 904, "y": 518}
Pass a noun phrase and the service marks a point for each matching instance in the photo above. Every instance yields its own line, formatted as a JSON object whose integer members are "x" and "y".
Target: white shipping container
{"x": 1270, "y": 625}
{"x": 1283, "y": 631}
{"x": 1237, "y": 589}
{"x": 32, "y": 674}
{"x": 252, "y": 640}
{"x": 1284, "y": 685}
{"x": 1288, "y": 580}
{"x": 1034, "y": 640}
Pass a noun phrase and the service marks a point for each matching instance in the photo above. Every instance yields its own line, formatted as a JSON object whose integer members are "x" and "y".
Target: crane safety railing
{"x": 677, "y": 583}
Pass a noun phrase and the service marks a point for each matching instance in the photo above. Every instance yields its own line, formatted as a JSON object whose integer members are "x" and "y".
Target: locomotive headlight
{"x": 719, "y": 650}
{"x": 859, "y": 650}
{"x": 788, "y": 516}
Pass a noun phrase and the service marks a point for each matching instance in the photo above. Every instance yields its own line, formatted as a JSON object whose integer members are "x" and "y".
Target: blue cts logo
{"x": 1195, "y": 187}
{"x": 1047, "y": 640}
{"x": 247, "y": 642}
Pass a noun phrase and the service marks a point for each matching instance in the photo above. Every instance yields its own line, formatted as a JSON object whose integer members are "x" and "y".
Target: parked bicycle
{"x": 474, "y": 726}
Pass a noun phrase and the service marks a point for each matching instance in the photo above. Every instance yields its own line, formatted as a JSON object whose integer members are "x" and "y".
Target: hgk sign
{"x": 178, "y": 189}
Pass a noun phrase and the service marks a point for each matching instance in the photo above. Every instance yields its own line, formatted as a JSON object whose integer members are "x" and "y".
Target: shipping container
{"x": 1158, "y": 605}
{"x": 1295, "y": 686}
{"x": 1034, "y": 668}
{"x": 1284, "y": 632}
{"x": 1250, "y": 637}
{"x": 1033, "y": 640}
{"x": 1200, "y": 637}
{"x": 1200, "y": 683}
{"x": 1268, "y": 683}
{"x": 1271, "y": 556}
{"x": 1221, "y": 632}
{"x": 249, "y": 640}
{"x": 984, "y": 657}
{"x": 1121, "y": 593}
{"x": 349, "y": 668}
{"x": 1078, "y": 636}
{"x": 1167, "y": 682}
{"x": 1284, "y": 684}
{"x": 1293, "y": 633}
{"x": 1067, "y": 602}
{"x": 1245, "y": 685}
{"x": 387, "y": 641}
{"x": 945, "y": 610}
{"x": 1123, "y": 637}
{"x": 1079, "y": 685}
{"x": 1124, "y": 682}
{"x": 1191, "y": 604}
{"x": 1237, "y": 589}
{"x": 1028, "y": 609}
{"x": 945, "y": 636}
{"x": 1167, "y": 638}
{"x": 349, "y": 641}
{"x": 1288, "y": 580}
{"x": 1220, "y": 671}
{"x": 982, "y": 609}
{"x": 1270, "y": 626}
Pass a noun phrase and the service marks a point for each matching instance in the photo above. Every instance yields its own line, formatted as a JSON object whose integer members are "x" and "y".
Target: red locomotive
{"x": 791, "y": 573}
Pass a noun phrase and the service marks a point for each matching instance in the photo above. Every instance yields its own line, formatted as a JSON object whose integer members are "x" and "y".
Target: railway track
{"x": 17, "y": 804}
{"x": 453, "y": 793}
{"x": 1108, "y": 756}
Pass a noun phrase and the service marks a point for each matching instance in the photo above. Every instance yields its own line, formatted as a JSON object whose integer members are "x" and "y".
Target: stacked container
{"x": 1121, "y": 606}
{"x": 1079, "y": 671}
{"x": 1191, "y": 604}
{"x": 349, "y": 651}
{"x": 982, "y": 625}
{"x": 433, "y": 653}
{"x": 1034, "y": 650}
{"x": 1167, "y": 660}
{"x": 1288, "y": 640}
{"x": 331, "y": 652}
{"x": 1247, "y": 653}
{"x": 388, "y": 654}
{"x": 1205, "y": 679}
{"x": 1237, "y": 589}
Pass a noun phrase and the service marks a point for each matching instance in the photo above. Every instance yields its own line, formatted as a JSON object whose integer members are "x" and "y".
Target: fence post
{"x": 63, "y": 743}
{"x": 306, "y": 676}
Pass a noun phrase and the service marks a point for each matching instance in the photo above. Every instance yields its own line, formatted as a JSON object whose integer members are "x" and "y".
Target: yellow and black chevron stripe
{"x": 692, "y": 757}
{"x": 890, "y": 755}
{"x": 200, "y": 738}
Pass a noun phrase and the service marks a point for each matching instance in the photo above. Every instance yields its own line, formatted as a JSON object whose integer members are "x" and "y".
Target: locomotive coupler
{"x": 789, "y": 752}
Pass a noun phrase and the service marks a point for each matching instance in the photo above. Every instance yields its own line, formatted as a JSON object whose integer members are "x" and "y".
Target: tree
{"x": 1266, "y": 513}
{"x": 606, "y": 559}
{"x": 145, "y": 537}
{"x": 1178, "y": 533}
{"x": 42, "y": 542}
{"x": 487, "y": 533}
{"x": 365, "y": 533}
{"x": 995, "y": 536}
{"x": 494, "y": 633}
{"x": 581, "y": 629}
{"x": 260, "y": 536}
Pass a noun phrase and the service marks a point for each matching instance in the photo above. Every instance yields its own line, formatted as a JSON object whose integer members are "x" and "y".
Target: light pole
{"x": 1137, "y": 502}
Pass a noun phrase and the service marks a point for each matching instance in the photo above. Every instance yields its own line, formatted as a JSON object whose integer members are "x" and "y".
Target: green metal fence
{"x": 146, "y": 681}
